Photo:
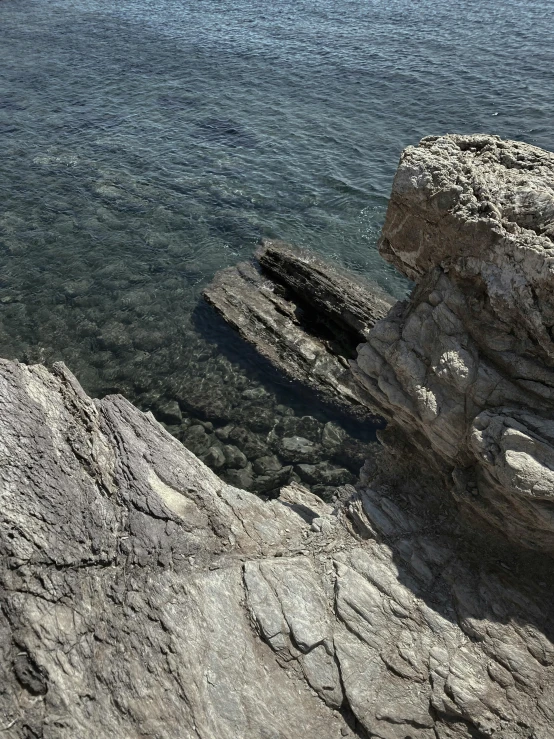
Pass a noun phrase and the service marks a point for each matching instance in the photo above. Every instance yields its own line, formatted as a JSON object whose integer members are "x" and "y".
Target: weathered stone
{"x": 266, "y": 465}
{"x": 251, "y": 445}
{"x": 239, "y": 478}
{"x": 142, "y": 595}
{"x": 272, "y": 482}
{"x": 305, "y": 426}
{"x": 332, "y": 436}
{"x": 324, "y": 473}
{"x": 464, "y": 369}
{"x": 215, "y": 458}
{"x": 234, "y": 458}
{"x": 170, "y": 412}
{"x": 298, "y": 449}
{"x": 337, "y": 295}
{"x": 279, "y": 324}
{"x": 196, "y": 439}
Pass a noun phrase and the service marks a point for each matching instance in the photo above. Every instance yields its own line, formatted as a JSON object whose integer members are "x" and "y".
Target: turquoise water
{"x": 146, "y": 144}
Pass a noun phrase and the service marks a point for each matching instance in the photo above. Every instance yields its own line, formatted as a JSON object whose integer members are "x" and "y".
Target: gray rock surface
{"x": 335, "y": 294}
{"x": 267, "y": 465}
{"x": 308, "y": 344}
{"x": 142, "y": 596}
{"x": 297, "y": 449}
{"x": 214, "y": 458}
{"x": 325, "y": 474}
{"x": 464, "y": 369}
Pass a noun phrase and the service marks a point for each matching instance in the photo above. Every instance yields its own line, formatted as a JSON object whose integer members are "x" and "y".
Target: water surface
{"x": 146, "y": 144}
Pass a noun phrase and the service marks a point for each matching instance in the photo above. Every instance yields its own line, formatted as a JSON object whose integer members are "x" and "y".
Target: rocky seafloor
{"x": 216, "y": 384}
{"x": 144, "y": 596}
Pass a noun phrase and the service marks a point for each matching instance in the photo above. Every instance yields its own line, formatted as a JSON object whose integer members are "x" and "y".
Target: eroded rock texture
{"x": 303, "y": 315}
{"x": 465, "y": 368}
{"x": 143, "y": 597}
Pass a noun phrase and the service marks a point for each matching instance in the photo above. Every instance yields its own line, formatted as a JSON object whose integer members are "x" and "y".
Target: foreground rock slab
{"x": 142, "y": 596}
{"x": 465, "y": 368}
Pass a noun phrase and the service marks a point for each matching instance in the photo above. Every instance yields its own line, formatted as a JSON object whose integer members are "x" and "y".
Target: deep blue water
{"x": 145, "y": 144}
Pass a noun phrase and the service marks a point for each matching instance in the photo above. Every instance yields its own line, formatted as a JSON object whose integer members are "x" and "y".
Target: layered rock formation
{"x": 465, "y": 368}
{"x": 143, "y": 597}
{"x": 304, "y": 316}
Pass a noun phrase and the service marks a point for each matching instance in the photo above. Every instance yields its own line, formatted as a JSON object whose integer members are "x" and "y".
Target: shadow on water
{"x": 304, "y": 401}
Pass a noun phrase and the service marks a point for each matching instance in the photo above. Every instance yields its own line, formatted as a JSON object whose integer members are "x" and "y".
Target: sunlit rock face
{"x": 465, "y": 368}
{"x": 143, "y": 596}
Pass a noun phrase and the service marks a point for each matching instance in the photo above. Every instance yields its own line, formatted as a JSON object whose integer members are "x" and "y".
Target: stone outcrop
{"x": 304, "y": 316}
{"x": 465, "y": 368}
{"x": 142, "y": 596}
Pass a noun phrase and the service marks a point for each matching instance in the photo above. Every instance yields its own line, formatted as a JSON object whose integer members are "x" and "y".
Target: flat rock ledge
{"x": 143, "y": 597}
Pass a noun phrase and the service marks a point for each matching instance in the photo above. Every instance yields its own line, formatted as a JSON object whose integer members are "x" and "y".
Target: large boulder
{"x": 465, "y": 368}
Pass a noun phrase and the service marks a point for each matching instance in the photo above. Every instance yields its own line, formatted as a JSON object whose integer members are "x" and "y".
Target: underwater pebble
{"x": 234, "y": 458}
{"x": 214, "y": 458}
{"x": 298, "y": 449}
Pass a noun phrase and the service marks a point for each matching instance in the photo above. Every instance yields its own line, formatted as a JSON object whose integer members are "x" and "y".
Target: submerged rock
{"x": 196, "y": 439}
{"x": 272, "y": 481}
{"x": 251, "y": 445}
{"x": 214, "y": 458}
{"x": 234, "y": 458}
{"x": 324, "y": 474}
{"x": 463, "y": 370}
{"x": 267, "y": 465}
{"x": 312, "y": 346}
{"x": 332, "y": 436}
{"x": 306, "y": 426}
{"x": 298, "y": 449}
{"x": 239, "y": 477}
{"x": 170, "y": 412}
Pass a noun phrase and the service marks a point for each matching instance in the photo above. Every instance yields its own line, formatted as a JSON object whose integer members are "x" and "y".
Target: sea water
{"x": 146, "y": 144}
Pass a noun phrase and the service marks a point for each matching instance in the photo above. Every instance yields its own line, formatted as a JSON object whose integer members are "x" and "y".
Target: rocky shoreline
{"x": 462, "y": 371}
{"x": 143, "y": 596}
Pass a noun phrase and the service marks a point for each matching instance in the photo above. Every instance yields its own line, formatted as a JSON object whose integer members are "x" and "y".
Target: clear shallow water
{"x": 146, "y": 144}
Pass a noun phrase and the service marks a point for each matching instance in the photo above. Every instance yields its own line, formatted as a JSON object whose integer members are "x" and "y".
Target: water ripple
{"x": 146, "y": 144}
